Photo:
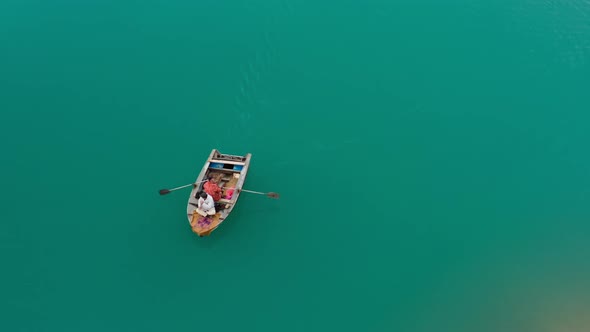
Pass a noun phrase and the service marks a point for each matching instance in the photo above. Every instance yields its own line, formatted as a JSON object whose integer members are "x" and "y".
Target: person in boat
{"x": 212, "y": 188}
{"x": 205, "y": 205}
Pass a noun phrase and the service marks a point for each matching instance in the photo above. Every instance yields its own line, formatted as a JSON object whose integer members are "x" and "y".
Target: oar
{"x": 167, "y": 191}
{"x": 269, "y": 194}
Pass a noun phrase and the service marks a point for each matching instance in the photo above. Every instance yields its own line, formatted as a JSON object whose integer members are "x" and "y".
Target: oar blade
{"x": 164, "y": 191}
{"x": 273, "y": 195}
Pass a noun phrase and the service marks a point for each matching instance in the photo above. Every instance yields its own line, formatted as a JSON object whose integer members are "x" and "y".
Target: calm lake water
{"x": 432, "y": 160}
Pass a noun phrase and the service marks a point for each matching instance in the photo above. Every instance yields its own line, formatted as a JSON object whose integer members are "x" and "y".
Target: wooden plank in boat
{"x": 227, "y": 170}
{"x": 227, "y": 162}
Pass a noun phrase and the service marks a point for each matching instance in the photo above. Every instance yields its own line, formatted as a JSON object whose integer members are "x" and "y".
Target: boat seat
{"x": 229, "y": 162}
{"x": 225, "y": 201}
{"x": 226, "y": 170}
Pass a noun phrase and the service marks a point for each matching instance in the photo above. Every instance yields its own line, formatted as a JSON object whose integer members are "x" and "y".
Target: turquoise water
{"x": 432, "y": 161}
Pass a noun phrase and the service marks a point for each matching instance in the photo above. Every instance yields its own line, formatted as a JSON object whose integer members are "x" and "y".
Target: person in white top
{"x": 205, "y": 205}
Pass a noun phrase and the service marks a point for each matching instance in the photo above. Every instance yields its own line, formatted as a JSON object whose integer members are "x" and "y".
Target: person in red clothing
{"x": 212, "y": 188}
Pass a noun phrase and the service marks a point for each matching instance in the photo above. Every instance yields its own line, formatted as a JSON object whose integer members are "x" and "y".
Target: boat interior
{"x": 226, "y": 170}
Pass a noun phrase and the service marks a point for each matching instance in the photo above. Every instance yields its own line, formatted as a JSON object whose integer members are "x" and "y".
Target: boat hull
{"x": 231, "y": 171}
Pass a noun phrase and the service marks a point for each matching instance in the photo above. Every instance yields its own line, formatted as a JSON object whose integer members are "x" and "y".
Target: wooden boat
{"x": 231, "y": 173}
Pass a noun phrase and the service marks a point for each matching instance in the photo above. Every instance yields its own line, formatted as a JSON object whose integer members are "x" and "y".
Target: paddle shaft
{"x": 269, "y": 194}
{"x": 188, "y": 185}
{"x": 253, "y": 192}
